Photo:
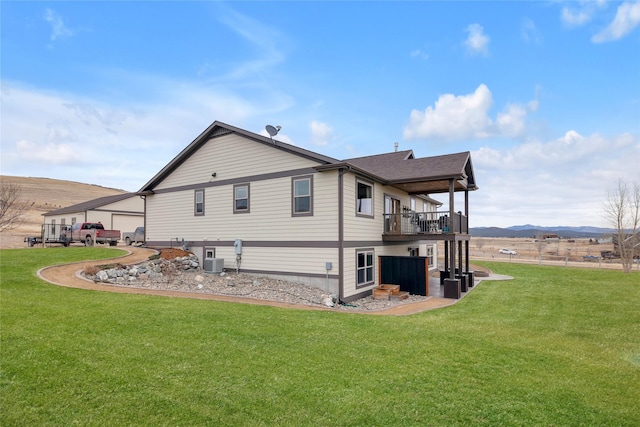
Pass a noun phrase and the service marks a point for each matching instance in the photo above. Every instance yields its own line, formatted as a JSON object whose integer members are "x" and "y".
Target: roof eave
{"x": 353, "y": 169}
{"x": 207, "y": 134}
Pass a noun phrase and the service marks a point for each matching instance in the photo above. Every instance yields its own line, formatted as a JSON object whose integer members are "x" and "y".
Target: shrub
{"x": 91, "y": 270}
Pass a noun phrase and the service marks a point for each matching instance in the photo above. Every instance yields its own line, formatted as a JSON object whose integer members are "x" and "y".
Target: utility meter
{"x": 238, "y": 246}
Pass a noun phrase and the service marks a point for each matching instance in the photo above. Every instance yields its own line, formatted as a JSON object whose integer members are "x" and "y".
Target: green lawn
{"x": 554, "y": 347}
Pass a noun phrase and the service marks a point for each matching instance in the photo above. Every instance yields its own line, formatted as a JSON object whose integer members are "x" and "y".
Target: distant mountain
{"x": 499, "y": 232}
{"x": 528, "y": 230}
{"x": 556, "y": 229}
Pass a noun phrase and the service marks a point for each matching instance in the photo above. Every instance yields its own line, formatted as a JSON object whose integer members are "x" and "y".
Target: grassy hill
{"x": 47, "y": 195}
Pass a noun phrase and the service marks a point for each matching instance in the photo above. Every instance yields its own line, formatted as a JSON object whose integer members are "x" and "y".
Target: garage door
{"x": 127, "y": 223}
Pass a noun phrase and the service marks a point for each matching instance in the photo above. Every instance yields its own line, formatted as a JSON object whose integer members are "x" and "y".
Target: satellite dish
{"x": 272, "y": 130}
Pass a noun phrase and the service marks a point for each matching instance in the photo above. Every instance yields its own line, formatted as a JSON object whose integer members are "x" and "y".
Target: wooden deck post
{"x": 452, "y": 248}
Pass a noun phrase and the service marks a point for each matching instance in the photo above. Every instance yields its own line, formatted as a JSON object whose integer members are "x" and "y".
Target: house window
{"x": 53, "y": 227}
{"x": 198, "y": 209}
{"x": 364, "y": 267}
{"x": 209, "y": 253}
{"x": 73, "y": 220}
{"x": 364, "y": 202}
{"x": 63, "y": 221}
{"x": 412, "y": 202}
{"x": 241, "y": 198}
{"x": 302, "y": 196}
{"x": 430, "y": 256}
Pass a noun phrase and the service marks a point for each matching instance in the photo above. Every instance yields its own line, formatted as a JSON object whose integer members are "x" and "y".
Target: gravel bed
{"x": 184, "y": 275}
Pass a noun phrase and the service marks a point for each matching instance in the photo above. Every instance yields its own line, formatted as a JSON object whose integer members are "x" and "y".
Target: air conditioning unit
{"x": 213, "y": 265}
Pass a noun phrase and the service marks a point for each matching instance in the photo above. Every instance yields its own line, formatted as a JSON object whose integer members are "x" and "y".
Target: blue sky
{"x": 545, "y": 95}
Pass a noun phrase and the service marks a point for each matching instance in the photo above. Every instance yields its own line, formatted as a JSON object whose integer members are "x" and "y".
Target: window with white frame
{"x": 364, "y": 201}
{"x": 198, "y": 202}
{"x": 241, "y": 198}
{"x": 302, "y": 196}
{"x": 430, "y": 253}
{"x": 412, "y": 203}
{"x": 364, "y": 267}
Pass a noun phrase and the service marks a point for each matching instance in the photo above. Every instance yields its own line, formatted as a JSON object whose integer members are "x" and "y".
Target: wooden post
{"x": 446, "y": 255}
{"x": 466, "y": 255}
{"x": 466, "y": 243}
{"x": 452, "y": 248}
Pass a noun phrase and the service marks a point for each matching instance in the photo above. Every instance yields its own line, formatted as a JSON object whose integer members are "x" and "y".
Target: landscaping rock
{"x": 184, "y": 274}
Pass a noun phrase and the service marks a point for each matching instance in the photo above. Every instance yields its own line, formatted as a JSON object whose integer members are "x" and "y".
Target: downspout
{"x": 340, "y": 235}
{"x": 144, "y": 221}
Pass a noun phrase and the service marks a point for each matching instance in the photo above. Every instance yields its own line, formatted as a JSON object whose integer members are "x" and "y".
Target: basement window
{"x": 364, "y": 267}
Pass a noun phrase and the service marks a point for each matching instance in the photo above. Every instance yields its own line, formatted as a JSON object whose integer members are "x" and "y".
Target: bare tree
{"x": 12, "y": 207}
{"x": 622, "y": 210}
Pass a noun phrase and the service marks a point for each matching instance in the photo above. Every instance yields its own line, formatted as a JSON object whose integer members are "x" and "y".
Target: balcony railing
{"x": 417, "y": 223}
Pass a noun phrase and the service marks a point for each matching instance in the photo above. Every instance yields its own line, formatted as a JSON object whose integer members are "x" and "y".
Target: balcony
{"x": 429, "y": 224}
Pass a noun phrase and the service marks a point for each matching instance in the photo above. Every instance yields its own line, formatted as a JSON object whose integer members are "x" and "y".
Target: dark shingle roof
{"x": 91, "y": 204}
{"x": 398, "y": 166}
{"x": 415, "y": 175}
{"x": 400, "y": 169}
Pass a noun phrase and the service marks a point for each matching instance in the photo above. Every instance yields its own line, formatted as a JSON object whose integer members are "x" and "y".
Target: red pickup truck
{"x": 90, "y": 233}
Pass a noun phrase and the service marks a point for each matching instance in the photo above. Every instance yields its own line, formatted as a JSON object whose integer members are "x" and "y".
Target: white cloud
{"x": 321, "y": 133}
{"x": 556, "y": 182}
{"x": 46, "y": 132}
{"x": 51, "y": 153}
{"x": 267, "y": 43}
{"x": 530, "y": 32}
{"x": 511, "y": 122}
{"x": 581, "y": 12}
{"x": 477, "y": 41}
{"x": 575, "y": 17}
{"x": 58, "y": 28}
{"x": 418, "y": 53}
{"x": 453, "y": 117}
{"x": 626, "y": 20}
{"x": 461, "y": 117}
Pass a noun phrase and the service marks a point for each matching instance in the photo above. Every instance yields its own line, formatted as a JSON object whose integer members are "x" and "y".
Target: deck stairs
{"x": 389, "y": 292}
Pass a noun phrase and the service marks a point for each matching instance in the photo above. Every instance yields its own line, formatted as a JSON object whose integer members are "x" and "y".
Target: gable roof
{"x": 217, "y": 129}
{"x": 416, "y": 175}
{"x": 400, "y": 169}
{"x": 91, "y": 204}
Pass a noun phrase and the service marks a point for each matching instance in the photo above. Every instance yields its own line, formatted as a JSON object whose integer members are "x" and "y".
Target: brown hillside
{"x": 47, "y": 195}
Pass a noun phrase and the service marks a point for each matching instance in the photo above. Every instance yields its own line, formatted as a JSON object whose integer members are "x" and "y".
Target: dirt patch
{"x": 171, "y": 253}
